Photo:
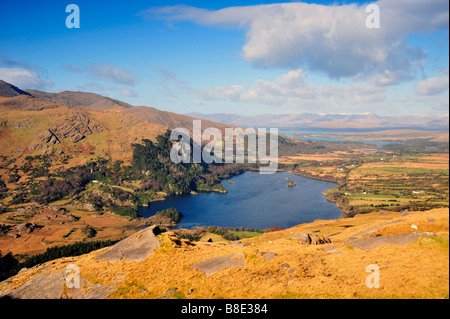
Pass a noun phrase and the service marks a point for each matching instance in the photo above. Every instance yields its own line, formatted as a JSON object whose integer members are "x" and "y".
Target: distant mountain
{"x": 330, "y": 121}
{"x": 82, "y": 100}
{"x": 9, "y": 90}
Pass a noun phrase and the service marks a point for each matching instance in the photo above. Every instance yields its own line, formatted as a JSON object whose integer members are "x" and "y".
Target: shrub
{"x": 130, "y": 211}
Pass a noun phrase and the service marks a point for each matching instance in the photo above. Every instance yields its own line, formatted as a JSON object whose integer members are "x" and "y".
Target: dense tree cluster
{"x": 160, "y": 173}
{"x": 10, "y": 266}
{"x": 129, "y": 211}
{"x": 172, "y": 213}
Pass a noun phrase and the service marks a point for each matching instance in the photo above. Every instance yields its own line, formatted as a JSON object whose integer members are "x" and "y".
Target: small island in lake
{"x": 290, "y": 182}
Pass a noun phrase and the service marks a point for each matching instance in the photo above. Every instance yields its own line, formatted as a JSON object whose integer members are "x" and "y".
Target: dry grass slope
{"x": 419, "y": 269}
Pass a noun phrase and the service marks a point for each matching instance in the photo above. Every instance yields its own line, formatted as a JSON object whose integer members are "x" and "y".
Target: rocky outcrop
{"x": 53, "y": 284}
{"x": 212, "y": 265}
{"x": 134, "y": 248}
{"x": 311, "y": 239}
{"x": 75, "y": 127}
{"x": 397, "y": 239}
{"x": 24, "y": 228}
{"x": 46, "y": 136}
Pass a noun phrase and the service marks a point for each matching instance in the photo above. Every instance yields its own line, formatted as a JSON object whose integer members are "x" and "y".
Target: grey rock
{"x": 268, "y": 256}
{"x": 137, "y": 247}
{"x": 302, "y": 237}
{"x": 397, "y": 239}
{"x": 212, "y": 265}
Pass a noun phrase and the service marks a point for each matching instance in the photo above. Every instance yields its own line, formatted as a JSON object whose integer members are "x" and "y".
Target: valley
{"x": 80, "y": 175}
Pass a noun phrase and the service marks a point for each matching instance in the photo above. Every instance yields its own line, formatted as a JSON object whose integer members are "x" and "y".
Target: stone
{"x": 397, "y": 239}
{"x": 268, "y": 256}
{"x": 302, "y": 237}
{"x": 171, "y": 291}
{"x": 212, "y": 265}
{"x": 137, "y": 247}
{"x": 312, "y": 239}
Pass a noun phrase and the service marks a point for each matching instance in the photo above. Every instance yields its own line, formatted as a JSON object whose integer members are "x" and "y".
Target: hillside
{"x": 34, "y": 126}
{"x": 323, "y": 259}
{"x": 9, "y": 90}
{"x": 83, "y": 100}
{"x": 79, "y": 125}
{"x": 169, "y": 119}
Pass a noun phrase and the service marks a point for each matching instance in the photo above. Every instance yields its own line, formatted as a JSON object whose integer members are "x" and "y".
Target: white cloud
{"x": 23, "y": 78}
{"x": 332, "y": 39}
{"x": 293, "y": 91}
{"x": 433, "y": 86}
{"x": 226, "y": 93}
{"x": 112, "y": 73}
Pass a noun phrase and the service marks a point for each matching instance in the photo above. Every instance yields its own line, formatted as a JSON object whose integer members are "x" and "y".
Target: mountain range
{"x": 322, "y": 121}
{"x": 79, "y": 124}
{"x": 87, "y": 125}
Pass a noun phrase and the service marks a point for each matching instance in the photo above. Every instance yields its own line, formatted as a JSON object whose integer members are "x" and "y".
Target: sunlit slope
{"x": 409, "y": 250}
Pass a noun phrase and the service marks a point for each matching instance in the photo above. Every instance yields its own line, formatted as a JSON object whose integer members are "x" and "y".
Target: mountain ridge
{"x": 9, "y": 90}
{"x": 330, "y": 120}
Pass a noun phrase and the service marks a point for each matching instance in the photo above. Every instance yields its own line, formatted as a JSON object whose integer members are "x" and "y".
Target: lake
{"x": 254, "y": 200}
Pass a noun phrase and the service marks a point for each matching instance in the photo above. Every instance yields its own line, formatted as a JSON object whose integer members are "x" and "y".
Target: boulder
{"x": 137, "y": 247}
{"x": 311, "y": 239}
{"x": 302, "y": 237}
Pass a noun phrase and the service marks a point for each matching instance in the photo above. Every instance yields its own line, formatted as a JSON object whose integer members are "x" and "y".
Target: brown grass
{"x": 416, "y": 270}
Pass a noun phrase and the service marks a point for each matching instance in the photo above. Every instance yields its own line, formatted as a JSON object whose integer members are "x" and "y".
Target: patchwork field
{"x": 374, "y": 180}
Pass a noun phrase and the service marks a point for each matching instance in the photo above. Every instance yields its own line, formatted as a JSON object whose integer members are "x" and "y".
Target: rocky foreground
{"x": 407, "y": 253}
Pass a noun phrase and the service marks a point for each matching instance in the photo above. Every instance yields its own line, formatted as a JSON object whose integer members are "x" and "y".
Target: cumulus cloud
{"x": 433, "y": 86}
{"x": 22, "y": 74}
{"x": 112, "y": 73}
{"x": 23, "y": 78}
{"x": 332, "y": 39}
{"x": 293, "y": 91}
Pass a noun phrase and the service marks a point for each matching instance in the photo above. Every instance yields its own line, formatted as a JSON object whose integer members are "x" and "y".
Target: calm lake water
{"x": 254, "y": 200}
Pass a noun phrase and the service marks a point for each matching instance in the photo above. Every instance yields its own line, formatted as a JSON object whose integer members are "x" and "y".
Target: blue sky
{"x": 246, "y": 57}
